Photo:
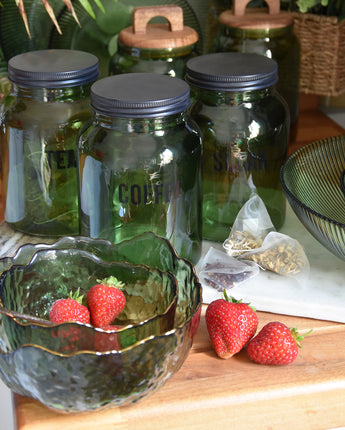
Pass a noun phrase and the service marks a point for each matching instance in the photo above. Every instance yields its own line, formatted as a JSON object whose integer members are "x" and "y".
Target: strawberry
{"x": 70, "y": 309}
{"x": 230, "y": 324}
{"x": 275, "y": 344}
{"x": 105, "y": 301}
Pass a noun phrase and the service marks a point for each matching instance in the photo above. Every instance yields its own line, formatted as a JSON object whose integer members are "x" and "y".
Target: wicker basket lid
{"x": 158, "y": 36}
{"x": 256, "y": 18}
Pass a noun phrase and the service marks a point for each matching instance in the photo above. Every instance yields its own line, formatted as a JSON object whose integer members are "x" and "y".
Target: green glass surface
{"x": 245, "y": 138}
{"x": 147, "y": 248}
{"x": 87, "y": 380}
{"x": 169, "y": 62}
{"x": 151, "y": 298}
{"x": 342, "y": 182}
{"x": 39, "y": 159}
{"x": 311, "y": 182}
{"x": 280, "y": 44}
{"x": 141, "y": 175}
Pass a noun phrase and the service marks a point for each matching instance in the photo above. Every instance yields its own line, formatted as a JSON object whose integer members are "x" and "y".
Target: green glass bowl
{"x": 89, "y": 380}
{"x": 151, "y": 298}
{"x": 311, "y": 180}
{"x": 342, "y": 182}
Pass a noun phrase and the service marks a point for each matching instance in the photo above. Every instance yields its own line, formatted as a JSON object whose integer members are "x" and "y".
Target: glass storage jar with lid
{"x": 269, "y": 33}
{"x": 40, "y": 121}
{"x": 244, "y": 124}
{"x": 140, "y": 162}
{"x": 160, "y": 48}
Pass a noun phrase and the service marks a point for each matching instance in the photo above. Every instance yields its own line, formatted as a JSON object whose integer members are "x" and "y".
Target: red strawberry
{"x": 275, "y": 344}
{"x": 105, "y": 301}
{"x": 70, "y": 309}
{"x": 107, "y": 341}
{"x": 230, "y": 324}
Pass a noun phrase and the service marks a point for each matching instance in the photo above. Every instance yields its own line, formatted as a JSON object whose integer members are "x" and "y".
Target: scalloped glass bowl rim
{"x": 98, "y": 259}
{"x": 46, "y": 246}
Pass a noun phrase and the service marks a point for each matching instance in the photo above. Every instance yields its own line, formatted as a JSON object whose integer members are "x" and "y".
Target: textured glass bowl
{"x": 151, "y": 297}
{"x": 86, "y": 380}
{"x": 311, "y": 180}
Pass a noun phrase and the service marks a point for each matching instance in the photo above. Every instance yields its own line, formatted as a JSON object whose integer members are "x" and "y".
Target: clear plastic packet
{"x": 281, "y": 254}
{"x": 222, "y": 272}
{"x": 250, "y": 228}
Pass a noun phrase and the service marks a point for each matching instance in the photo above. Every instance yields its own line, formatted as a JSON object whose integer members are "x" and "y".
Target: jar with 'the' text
{"x": 40, "y": 121}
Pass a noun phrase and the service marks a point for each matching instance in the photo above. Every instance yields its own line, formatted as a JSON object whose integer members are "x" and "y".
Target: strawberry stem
{"x": 112, "y": 281}
{"x": 76, "y": 296}
{"x": 299, "y": 337}
{"x": 233, "y": 300}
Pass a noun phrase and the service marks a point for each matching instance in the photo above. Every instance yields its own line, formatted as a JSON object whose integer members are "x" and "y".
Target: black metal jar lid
{"x": 232, "y": 71}
{"x": 140, "y": 95}
{"x": 53, "y": 68}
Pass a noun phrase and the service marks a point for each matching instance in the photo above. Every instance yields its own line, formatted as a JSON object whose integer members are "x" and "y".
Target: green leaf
{"x": 100, "y": 5}
{"x": 87, "y": 6}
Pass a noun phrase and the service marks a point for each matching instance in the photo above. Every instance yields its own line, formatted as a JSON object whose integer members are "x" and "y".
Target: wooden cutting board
{"x": 229, "y": 394}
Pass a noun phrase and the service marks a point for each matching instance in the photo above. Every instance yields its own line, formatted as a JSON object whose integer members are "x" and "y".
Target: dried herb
{"x": 219, "y": 277}
{"x": 242, "y": 241}
{"x": 283, "y": 259}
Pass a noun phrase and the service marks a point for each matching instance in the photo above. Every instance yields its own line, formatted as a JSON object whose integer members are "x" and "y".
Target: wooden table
{"x": 234, "y": 393}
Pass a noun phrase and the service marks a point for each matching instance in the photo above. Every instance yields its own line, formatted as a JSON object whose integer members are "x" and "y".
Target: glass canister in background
{"x": 140, "y": 163}
{"x": 245, "y": 127}
{"x": 269, "y": 33}
{"x": 42, "y": 116}
{"x": 160, "y": 48}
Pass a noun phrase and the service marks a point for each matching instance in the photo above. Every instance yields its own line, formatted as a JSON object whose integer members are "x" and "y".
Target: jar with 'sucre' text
{"x": 244, "y": 125}
{"x": 140, "y": 163}
{"x": 269, "y": 32}
{"x": 40, "y": 121}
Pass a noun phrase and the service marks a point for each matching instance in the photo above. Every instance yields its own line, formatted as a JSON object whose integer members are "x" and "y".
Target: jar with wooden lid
{"x": 140, "y": 162}
{"x": 160, "y": 48}
{"x": 41, "y": 117}
{"x": 269, "y": 33}
{"x": 244, "y": 125}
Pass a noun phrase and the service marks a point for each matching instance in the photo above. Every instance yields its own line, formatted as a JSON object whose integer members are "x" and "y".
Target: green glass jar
{"x": 270, "y": 34}
{"x": 140, "y": 163}
{"x": 162, "y": 48}
{"x": 244, "y": 124}
{"x": 42, "y": 116}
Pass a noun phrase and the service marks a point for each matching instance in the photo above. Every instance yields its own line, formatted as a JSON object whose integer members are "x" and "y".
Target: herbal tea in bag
{"x": 223, "y": 272}
{"x": 250, "y": 228}
{"x": 281, "y": 254}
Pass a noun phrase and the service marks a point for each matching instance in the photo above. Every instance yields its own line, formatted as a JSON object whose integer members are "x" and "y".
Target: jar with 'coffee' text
{"x": 140, "y": 162}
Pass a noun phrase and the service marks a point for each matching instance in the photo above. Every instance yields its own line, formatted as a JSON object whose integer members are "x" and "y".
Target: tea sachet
{"x": 281, "y": 254}
{"x": 250, "y": 228}
{"x": 223, "y": 272}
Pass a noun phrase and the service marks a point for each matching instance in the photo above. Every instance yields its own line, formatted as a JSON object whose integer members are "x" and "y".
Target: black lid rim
{"x": 126, "y": 96}
{"x": 232, "y": 71}
{"x": 80, "y": 73}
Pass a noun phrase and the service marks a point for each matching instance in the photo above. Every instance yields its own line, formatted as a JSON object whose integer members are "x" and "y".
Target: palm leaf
{"x": 85, "y": 3}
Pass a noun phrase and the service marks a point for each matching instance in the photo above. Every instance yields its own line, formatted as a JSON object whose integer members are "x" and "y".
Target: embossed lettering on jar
{"x": 42, "y": 116}
{"x": 140, "y": 162}
{"x": 245, "y": 129}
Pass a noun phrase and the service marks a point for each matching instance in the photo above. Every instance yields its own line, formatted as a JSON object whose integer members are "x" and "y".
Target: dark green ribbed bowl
{"x": 311, "y": 179}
